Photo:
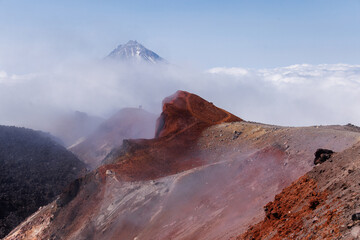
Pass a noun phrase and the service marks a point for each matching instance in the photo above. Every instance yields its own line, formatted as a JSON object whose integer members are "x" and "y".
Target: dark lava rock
{"x": 355, "y": 217}
{"x": 236, "y": 135}
{"x": 34, "y": 169}
{"x": 321, "y": 155}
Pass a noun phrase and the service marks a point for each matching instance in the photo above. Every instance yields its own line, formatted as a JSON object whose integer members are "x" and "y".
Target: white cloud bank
{"x": 294, "y": 95}
{"x": 299, "y": 94}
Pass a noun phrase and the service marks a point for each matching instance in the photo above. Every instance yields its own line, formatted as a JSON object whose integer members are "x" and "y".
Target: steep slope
{"x": 185, "y": 112}
{"x": 125, "y": 124}
{"x": 73, "y": 126}
{"x": 34, "y": 169}
{"x": 329, "y": 199}
{"x": 206, "y": 176}
{"x": 133, "y": 51}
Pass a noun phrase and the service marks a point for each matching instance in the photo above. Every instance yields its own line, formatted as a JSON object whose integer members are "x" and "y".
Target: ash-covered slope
{"x": 73, "y": 126}
{"x": 34, "y": 169}
{"x": 128, "y": 123}
{"x": 320, "y": 205}
{"x": 133, "y": 51}
{"x": 207, "y": 175}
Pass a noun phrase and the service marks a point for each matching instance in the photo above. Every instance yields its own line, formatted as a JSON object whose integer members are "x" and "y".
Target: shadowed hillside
{"x": 34, "y": 169}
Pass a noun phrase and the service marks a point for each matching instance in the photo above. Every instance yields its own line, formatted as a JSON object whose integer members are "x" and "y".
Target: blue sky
{"x": 206, "y": 34}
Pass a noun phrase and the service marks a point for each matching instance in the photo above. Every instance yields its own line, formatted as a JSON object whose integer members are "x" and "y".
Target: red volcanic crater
{"x": 184, "y": 117}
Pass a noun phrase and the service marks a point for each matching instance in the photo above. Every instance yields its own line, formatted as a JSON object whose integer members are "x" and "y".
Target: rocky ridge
{"x": 206, "y": 175}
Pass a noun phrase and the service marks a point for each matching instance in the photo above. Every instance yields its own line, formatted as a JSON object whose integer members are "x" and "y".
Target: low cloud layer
{"x": 295, "y": 95}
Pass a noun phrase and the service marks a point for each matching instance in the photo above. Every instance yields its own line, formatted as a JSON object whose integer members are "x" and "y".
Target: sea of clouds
{"x": 300, "y": 94}
{"x": 296, "y": 95}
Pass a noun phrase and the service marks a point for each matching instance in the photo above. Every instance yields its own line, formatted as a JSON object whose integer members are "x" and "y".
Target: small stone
{"x": 236, "y": 135}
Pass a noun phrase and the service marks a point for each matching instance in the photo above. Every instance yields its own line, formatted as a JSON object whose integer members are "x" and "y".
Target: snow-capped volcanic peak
{"x": 133, "y": 50}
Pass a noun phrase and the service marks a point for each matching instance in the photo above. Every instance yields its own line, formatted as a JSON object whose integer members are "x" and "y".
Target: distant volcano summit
{"x": 134, "y": 51}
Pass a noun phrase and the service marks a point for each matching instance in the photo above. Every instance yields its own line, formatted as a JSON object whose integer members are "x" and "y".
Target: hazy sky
{"x": 282, "y": 62}
{"x": 206, "y": 34}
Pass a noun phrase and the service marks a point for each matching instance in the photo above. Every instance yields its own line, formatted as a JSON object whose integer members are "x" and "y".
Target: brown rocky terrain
{"x": 206, "y": 175}
{"x": 319, "y": 205}
{"x": 125, "y": 124}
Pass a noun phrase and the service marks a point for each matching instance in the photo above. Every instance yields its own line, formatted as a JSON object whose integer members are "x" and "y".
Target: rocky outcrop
{"x": 321, "y": 155}
{"x": 183, "y": 110}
